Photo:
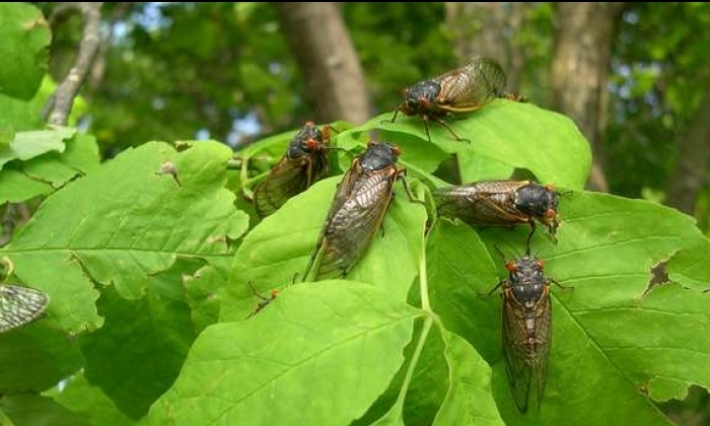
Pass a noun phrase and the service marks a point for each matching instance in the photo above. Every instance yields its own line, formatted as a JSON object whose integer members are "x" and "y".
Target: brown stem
{"x": 59, "y": 105}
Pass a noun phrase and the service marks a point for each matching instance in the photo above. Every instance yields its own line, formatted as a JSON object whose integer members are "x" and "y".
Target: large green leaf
{"x": 24, "y": 51}
{"x": 320, "y": 353}
{"x": 18, "y": 115}
{"x": 609, "y": 330}
{"x": 281, "y": 245}
{"x": 33, "y": 410}
{"x": 89, "y": 402}
{"x": 154, "y": 327}
{"x": 124, "y": 224}
{"x": 511, "y": 133}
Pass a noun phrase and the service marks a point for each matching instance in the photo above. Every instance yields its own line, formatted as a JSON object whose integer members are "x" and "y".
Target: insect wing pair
{"x": 500, "y": 203}
{"x": 357, "y": 211}
{"x": 303, "y": 164}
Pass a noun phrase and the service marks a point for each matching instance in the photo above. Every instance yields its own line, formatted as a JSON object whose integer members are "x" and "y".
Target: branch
{"x": 59, "y": 105}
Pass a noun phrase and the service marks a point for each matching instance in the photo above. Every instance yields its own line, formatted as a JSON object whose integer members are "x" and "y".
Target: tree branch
{"x": 59, "y": 105}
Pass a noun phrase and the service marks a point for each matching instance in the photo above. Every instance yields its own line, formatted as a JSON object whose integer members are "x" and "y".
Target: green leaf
{"x": 18, "y": 115}
{"x": 281, "y": 245}
{"x": 89, "y": 402}
{"x": 474, "y": 167}
{"x": 202, "y": 292}
{"x": 469, "y": 400}
{"x": 36, "y": 357}
{"x": 608, "y": 330}
{"x": 24, "y": 52}
{"x": 320, "y": 353}
{"x": 124, "y": 224}
{"x": 155, "y": 327}
{"x": 17, "y": 187}
{"x": 28, "y": 145}
{"x": 512, "y": 133}
{"x": 33, "y": 410}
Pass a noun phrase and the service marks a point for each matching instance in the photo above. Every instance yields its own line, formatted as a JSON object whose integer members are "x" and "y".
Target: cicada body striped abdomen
{"x": 526, "y": 323}
{"x": 304, "y": 163}
{"x": 464, "y": 89}
{"x": 357, "y": 212}
{"x": 20, "y": 305}
{"x": 500, "y": 203}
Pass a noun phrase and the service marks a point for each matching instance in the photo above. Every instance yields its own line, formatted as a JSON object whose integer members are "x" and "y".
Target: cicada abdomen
{"x": 304, "y": 163}
{"x": 526, "y": 337}
{"x": 20, "y": 305}
{"x": 357, "y": 212}
{"x": 500, "y": 203}
{"x": 464, "y": 89}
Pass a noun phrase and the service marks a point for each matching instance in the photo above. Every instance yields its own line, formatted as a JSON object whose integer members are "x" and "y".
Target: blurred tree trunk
{"x": 580, "y": 72}
{"x": 489, "y": 29}
{"x": 334, "y": 81}
{"x": 693, "y": 159}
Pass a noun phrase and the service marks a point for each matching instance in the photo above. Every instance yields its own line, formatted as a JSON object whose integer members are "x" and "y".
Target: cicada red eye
{"x": 541, "y": 264}
{"x": 511, "y": 266}
{"x": 397, "y": 151}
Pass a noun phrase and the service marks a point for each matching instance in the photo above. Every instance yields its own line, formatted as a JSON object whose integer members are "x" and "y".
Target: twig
{"x": 59, "y": 105}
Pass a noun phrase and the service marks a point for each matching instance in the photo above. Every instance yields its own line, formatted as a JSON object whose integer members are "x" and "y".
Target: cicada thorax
{"x": 20, "y": 305}
{"x": 499, "y": 203}
{"x": 304, "y": 163}
{"x": 358, "y": 210}
{"x": 467, "y": 88}
{"x": 526, "y": 320}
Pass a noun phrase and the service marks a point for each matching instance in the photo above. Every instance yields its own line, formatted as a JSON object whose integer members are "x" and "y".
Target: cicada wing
{"x": 352, "y": 227}
{"x": 479, "y": 205}
{"x": 525, "y": 353}
{"x": 287, "y": 179}
{"x": 20, "y": 305}
{"x": 472, "y": 86}
{"x": 515, "y": 352}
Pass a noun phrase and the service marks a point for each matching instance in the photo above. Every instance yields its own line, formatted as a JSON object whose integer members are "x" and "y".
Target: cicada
{"x": 357, "y": 211}
{"x": 304, "y": 163}
{"x": 526, "y": 318}
{"x": 264, "y": 300}
{"x": 500, "y": 203}
{"x": 20, "y": 305}
{"x": 467, "y": 88}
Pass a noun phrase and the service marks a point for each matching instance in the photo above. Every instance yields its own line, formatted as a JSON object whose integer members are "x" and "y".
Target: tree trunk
{"x": 693, "y": 159}
{"x": 335, "y": 84}
{"x": 489, "y": 29}
{"x": 580, "y": 71}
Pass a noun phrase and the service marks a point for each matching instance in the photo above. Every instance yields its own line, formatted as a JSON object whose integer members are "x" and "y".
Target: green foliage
{"x": 23, "y": 53}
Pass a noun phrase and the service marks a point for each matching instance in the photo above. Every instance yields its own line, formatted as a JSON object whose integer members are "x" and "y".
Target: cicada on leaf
{"x": 500, "y": 203}
{"x": 20, "y": 305}
{"x": 357, "y": 211}
{"x": 464, "y": 89}
{"x": 304, "y": 163}
{"x": 526, "y": 337}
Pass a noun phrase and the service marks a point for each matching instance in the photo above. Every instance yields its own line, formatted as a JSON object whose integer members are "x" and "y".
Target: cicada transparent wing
{"x": 472, "y": 86}
{"x": 304, "y": 163}
{"x": 526, "y": 342}
{"x": 20, "y": 305}
{"x": 486, "y": 203}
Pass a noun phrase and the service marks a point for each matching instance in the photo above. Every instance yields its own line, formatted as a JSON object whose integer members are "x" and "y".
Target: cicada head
{"x": 308, "y": 141}
{"x": 420, "y": 98}
{"x": 527, "y": 280}
{"x": 539, "y": 202}
{"x": 379, "y": 156}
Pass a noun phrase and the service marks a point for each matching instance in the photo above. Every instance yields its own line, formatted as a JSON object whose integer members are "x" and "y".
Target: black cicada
{"x": 264, "y": 300}
{"x": 357, "y": 211}
{"x": 527, "y": 328}
{"x": 467, "y": 88}
{"x": 304, "y": 163}
{"x": 500, "y": 203}
{"x": 20, "y": 305}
